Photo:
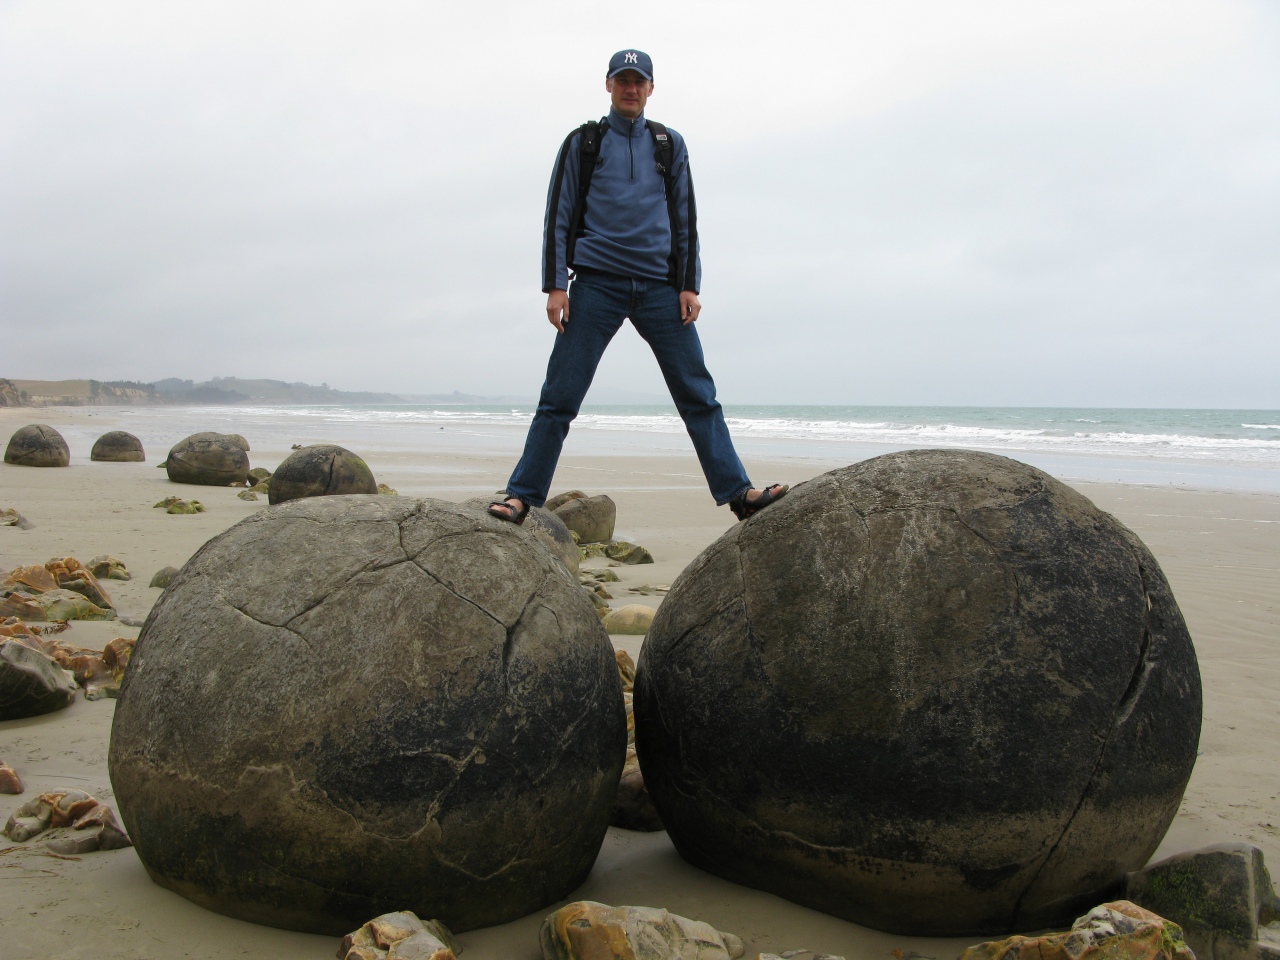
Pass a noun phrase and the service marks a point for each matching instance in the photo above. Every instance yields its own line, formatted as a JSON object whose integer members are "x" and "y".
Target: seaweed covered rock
{"x": 211, "y": 459}
{"x": 106, "y": 567}
{"x": 1113, "y": 931}
{"x": 935, "y": 692}
{"x": 345, "y": 706}
{"x": 1222, "y": 897}
{"x": 320, "y": 470}
{"x": 37, "y": 445}
{"x": 118, "y": 446}
{"x": 163, "y": 577}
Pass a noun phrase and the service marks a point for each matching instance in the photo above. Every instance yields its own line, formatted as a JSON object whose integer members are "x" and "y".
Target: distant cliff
{"x": 235, "y": 390}
{"x": 9, "y": 394}
{"x": 218, "y": 391}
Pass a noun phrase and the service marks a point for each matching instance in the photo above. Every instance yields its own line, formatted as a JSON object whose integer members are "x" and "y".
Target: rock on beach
{"x": 320, "y": 470}
{"x": 936, "y": 692}
{"x": 344, "y": 706}
{"x": 118, "y": 446}
{"x": 37, "y": 445}
{"x": 210, "y": 459}
{"x": 591, "y": 518}
{"x": 31, "y": 683}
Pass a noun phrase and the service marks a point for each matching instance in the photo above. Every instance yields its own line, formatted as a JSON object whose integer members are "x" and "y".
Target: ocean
{"x": 1214, "y": 449}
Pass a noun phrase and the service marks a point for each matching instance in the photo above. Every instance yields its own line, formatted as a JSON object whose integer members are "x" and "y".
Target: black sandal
{"x": 743, "y": 508}
{"x": 508, "y": 511}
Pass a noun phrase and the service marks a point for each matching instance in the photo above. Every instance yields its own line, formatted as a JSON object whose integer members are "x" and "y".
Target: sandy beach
{"x": 1219, "y": 550}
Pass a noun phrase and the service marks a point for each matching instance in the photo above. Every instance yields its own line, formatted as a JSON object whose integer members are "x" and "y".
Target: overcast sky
{"x": 953, "y": 202}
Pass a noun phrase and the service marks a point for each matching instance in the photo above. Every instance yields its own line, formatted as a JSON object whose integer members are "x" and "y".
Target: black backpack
{"x": 664, "y": 151}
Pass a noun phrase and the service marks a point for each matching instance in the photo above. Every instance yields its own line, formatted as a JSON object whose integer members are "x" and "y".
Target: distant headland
{"x": 219, "y": 391}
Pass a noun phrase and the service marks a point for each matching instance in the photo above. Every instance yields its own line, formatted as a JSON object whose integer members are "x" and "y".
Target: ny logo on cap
{"x": 631, "y": 58}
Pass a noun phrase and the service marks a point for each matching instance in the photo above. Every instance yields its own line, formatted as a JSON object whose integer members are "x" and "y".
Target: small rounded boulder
{"x": 320, "y": 470}
{"x": 937, "y": 692}
{"x": 118, "y": 446}
{"x": 347, "y": 706}
{"x": 37, "y": 445}
{"x": 211, "y": 459}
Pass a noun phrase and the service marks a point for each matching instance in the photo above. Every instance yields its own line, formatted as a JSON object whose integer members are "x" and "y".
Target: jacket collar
{"x": 622, "y": 125}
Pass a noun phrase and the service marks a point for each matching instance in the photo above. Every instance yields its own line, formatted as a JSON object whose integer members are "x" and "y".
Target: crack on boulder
{"x": 1121, "y": 713}
{"x": 459, "y": 765}
{"x": 455, "y": 593}
{"x": 481, "y": 877}
{"x": 281, "y": 626}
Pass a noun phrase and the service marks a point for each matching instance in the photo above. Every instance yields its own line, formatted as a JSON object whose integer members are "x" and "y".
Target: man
{"x": 632, "y": 244}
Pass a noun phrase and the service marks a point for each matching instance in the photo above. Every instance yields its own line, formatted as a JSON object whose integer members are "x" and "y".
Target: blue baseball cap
{"x": 635, "y": 60}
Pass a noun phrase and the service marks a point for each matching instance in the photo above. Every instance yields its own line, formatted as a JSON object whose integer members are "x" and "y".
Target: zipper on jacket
{"x": 630, "y": 155}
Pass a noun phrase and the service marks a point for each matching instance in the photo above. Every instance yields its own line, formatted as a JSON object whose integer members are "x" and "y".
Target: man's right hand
{"x": 558, "y": 308}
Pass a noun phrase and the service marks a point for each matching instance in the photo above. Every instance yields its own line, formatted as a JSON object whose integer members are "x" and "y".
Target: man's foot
{"x": 753, "y": 501}
{"x": 512, "y": 509}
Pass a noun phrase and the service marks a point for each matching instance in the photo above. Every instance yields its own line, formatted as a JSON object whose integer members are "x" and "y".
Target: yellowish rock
{"x": 587, "y": 930}
{"x": 1119, "y": 930}
{"x": 398, "y": 936}
{"x": 634, "y": 620}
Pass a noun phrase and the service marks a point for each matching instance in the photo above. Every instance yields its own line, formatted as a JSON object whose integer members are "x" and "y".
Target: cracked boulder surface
{"x": 212, "y": 459}
{"x": 937, "y": 692}
{"x": 544, "y": 525}
{"x": 348, "y": 706}
{"x": 320, "y": 470}
{"x": 37, "y": 445}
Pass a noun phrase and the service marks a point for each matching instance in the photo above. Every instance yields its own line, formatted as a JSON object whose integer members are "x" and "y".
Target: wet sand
{"x": 1219, "y": 550}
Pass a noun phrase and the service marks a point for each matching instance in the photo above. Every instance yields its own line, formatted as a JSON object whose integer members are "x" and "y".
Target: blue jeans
{"x": 599, "y": 304}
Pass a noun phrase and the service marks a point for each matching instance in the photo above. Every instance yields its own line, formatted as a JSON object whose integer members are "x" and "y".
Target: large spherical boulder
{"x": 937, "y": 692}
{"x": 212, "y": 459}
{"x": 320, "y": 470}
{"x": 37, "y": 445}
{"x": 118, "y": 446}
{"x": 344, "y": 706}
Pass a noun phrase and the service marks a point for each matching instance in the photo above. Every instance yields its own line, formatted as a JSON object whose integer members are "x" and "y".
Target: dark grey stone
{"x": 37, "y": 445}
{"x": 320, "y": 470}
{"x": 32, "y": 683}
{"x": 164, "y": 577}
{"x": 118, "y": 446}
{"x": 345, "y": 706}
{"x": 1216, "y": 894}
{"x": 212, "y": 459}
{"x": 591, "y": 518}
{"x": 937, "y": 692}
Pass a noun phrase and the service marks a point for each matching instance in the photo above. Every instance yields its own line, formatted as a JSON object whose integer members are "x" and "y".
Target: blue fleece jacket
{"x": 626, "y": 228}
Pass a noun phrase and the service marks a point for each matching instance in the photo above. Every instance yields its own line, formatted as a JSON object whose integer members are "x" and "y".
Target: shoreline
{"x": 1218, "y": 550}
{"x": 417, "y": 444}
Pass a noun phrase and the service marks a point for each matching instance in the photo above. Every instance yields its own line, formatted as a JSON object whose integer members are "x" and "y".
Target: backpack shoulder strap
{"x": 664, "y": 151}
{"x": 589, "y": 134}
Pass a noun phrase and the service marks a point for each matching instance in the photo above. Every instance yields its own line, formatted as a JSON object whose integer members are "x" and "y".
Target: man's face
{"x": 629, "y": 92}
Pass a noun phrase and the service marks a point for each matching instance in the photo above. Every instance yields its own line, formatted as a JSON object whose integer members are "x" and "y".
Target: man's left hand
{"x": 689, "y": 307}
